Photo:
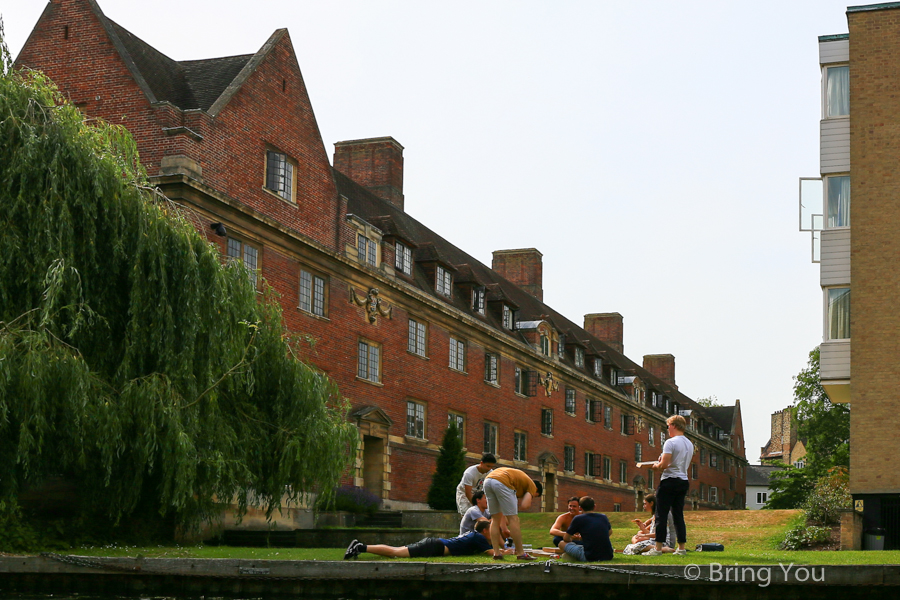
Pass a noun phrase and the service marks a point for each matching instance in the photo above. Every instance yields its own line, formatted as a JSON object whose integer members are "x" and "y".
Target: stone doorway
{"x": 549, "y": 464}
{"x": 373, "y": 464}
{"x": 373, "y": 458}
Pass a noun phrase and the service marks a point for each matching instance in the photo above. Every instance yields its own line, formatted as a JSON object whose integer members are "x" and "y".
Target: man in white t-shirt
{"x": 472, "y": 481}
{"x": 674, "y": 463}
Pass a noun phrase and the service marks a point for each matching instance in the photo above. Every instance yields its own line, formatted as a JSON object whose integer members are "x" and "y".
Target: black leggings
{"x": 670, "y": 496}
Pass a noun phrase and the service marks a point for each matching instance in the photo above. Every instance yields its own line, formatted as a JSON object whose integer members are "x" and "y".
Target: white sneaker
{"x": 681, "y": 552}
{"x": 653, "y": 552}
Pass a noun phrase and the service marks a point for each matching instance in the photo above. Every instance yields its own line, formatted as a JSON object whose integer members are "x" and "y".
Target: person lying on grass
{"x": 473, "y": 542}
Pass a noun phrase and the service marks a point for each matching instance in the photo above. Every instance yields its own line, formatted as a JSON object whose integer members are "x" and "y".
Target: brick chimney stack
{"x": 663, "y": 366}
{"x": 607, "y": 327}
{"x": 524, "y": 267}
{"x": 374, "y": 163}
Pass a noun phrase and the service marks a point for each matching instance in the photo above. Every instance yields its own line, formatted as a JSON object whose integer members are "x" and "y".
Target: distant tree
{"x": 829, "y": 497}
{"x": 824, "y": 425}
{"x": 451, "y": 463}
{"x": 709, "y": 401}
{"x": 789, "y": 487}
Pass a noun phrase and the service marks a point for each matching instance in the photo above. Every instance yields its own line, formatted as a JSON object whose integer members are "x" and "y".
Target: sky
{"x": 650, "y": 150}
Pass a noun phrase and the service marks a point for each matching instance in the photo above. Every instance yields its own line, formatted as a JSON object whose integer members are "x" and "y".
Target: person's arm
{"x": 557, "y": 529}
{"x": 468, "y": 489}
{"x": 525, "y": 502}
{"x": 665, "y": 459}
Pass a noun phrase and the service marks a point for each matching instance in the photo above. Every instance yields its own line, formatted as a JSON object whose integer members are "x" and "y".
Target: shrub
{"x": 830, "y": 495}
{"x": 351, "y": 498}
{"x": 451, "y": 463}
{"x": 803, "y": 535}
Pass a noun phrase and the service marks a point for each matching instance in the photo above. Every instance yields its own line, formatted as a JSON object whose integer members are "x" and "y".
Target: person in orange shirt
{"x": 507, "y": 491}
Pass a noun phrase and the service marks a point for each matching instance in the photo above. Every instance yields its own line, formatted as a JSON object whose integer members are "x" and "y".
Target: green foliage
{"x": 132, "y": 361}
{"x": 823, "y": 425}
{"x": 709, "y": 401}
{"x": 803, "y": 536}
{"x": 451, "y": 463}
{"x": 789, "y": 487}
{"x": 830, "y": 496}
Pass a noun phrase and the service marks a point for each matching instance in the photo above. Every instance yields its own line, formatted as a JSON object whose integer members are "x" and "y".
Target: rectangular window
{"x": 570, "y": 401}
{"x": 547, "y": 421}
{"x": 579, "y": 357}
{"x": 367, "y": 250}
{"x": 457, "y": 354}
{"x": 368, "y": 364}
{"x": 415, "y": 420}
{"x": 238, "y": 251}
{"x": 569, "y": 459}
{"x": 607, "y": 416}
{"x": 312, "y": 293}
{"x": 607, "y": 468}
{"x": 617, "y": 507}
{"x": 662, "y": 437}
{"x": 403, "y": 258}
{"x": 545, "y": 345}
{"x": 416, "y": 341}
{"x": 490, "y": 368}
{"x": 714, "y": 495}
{"x": 837, "y": 91}
{"x": 519, "y": 446}
{"x": 637, "y": 452}
{"x": 526, "y": 382}
{"x": 693, "y": 470}
{"x": 490, "y": 439}
{"x": 588, "y": 410}
{"x": 762, "y": 497}
{"x": 627, "y": 424}
{"x": 650, "y": 474}
{"x": 837, "y": 201}
{"x": 478, "y": 300}
{"x": 623, "y": 471}
{"x": 443, "y": 281}
{"x": 589, "y": 464}
{"x": 279, "y": 174}
{"x": 596, "y": 411}
{"x": 613, "y": 377}
{"x": 714, "y": 460}
{"x": 702, "y": 456}
{"x": 561, "y": 346}
{"x": 838, "y": 313}
{"x": 598, "y": 368}
{"x": 460, "y": 421}
{"x": 703, "y": 491}
{"x": 508, "y": 318}
{"x": 731, "y": 483}
{"x": 652, "y": 435}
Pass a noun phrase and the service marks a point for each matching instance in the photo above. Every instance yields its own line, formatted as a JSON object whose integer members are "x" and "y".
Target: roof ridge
{"x": 246, "y": 71}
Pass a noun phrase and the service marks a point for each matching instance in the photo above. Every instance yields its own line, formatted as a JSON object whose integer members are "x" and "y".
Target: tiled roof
{"x": 432, "y": 247}
{"x": 759, "y": 474}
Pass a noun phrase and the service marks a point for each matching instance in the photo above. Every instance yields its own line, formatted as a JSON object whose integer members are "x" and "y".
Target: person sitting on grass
{"x": 476, "y": 513}
{"x": 595, "y": 531}
{"x": 564, "y": 520}
{"x": 644, "y": 539}
{"x": 471, "y": 543}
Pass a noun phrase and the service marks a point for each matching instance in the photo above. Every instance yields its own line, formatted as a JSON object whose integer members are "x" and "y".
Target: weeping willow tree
{"x": 132, "y": 361}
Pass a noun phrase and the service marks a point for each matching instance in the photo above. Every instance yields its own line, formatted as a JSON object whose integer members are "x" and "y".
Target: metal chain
{"x": 93, "y": 564}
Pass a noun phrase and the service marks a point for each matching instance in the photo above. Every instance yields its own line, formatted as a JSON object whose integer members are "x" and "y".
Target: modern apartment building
{"x": 857, "y": 246}
{"x": 416, "y": 332}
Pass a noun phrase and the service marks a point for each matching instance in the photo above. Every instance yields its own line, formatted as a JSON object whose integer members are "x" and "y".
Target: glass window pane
{"x": 837, "y": 91}
{"x": 305, "y": 291}
{"x": 838, "y": 201}
{"x": 839, "y": 313}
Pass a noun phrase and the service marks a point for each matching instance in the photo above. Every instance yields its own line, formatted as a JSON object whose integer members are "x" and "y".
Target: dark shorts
{"x": 427, "y": 548}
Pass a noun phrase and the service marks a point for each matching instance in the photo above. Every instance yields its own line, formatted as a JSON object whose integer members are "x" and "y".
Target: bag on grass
{"x": 710, "y": 548}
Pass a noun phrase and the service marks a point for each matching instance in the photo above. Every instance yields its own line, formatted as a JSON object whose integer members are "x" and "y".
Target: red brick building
{"x": 415, "y": 331}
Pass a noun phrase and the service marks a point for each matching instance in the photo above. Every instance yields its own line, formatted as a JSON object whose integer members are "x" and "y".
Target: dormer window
{"x": 598, "y": 368}
{"x": 443, "y": 281}
{"x": 507, "y": 317}
{"x": 478, "y": 300}
{"x": 403, "y": 258}
{"x": 579, "y": 357}
{"x": 561, "y": 346}
{"x": 368, "y": 249}
{"x": 545, "y": 344}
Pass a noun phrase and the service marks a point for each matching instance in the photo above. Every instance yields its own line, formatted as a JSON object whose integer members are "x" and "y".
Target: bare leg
{"x": 392, "y": 551}
{"x": 516, "y": 532}
{"x": 496, "y": 536}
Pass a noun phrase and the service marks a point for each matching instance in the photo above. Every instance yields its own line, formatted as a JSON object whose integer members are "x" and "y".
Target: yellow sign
{"x": 858, "y": 505}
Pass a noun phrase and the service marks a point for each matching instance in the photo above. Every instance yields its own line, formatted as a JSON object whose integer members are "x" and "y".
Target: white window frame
{"x": 443, "y": 282}
{"x": 827, "y": 199}
{"x": 489, "y": 442}
{"x": 579, "y": 357}
{"x": 417, "y": 342}
{"x": 545, "y": 344}
{"x": 652, "y": 435}
{"x": 415, "y": 419}
{"x": 313, "y": 295}
{"x": 826, "y": 293}
{"x": 246, "y": 254}
{"x": 598, "y": 368}
{"x": 492, "y": 368}
{"x": 762, "y": 497}
{"x": 457, "y": 354}
{"x": 520, "y": 446}
{"x": 478, "y": 295}
{"x": 367, "y": 249}
{"x": 825, "y": 115}
{"x": 283, "y": 184}
{"x": 368, "y": 361}
{"x": 508, "y": 322}
{"x": 607, "y": 468}
{"x": 403, "y": 258}
{"x": 713, "y": 494}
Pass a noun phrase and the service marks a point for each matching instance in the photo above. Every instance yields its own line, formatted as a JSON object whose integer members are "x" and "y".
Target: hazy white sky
{"x": 650, "y": 150}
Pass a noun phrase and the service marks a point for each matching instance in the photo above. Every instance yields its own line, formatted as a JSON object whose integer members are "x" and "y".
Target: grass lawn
{"x": 749, "y": 537}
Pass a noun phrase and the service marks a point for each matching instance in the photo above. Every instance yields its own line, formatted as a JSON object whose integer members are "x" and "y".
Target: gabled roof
{"x": 723, "y": 416}
{"x": 190, "y": 85}
{"x": 759, "y": 474}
